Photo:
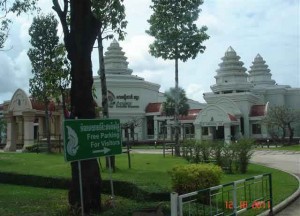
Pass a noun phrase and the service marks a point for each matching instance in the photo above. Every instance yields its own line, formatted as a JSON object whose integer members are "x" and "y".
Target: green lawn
{"x": 149, "y": 172}
{"x": 29, "y": 201}
{"x": 286, "y": 148}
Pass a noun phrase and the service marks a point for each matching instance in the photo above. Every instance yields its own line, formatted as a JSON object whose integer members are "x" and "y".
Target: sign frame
{"x": 91, "y": 138}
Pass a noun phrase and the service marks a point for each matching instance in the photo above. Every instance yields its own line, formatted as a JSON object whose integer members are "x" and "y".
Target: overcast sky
{"x": 268, "y": 27}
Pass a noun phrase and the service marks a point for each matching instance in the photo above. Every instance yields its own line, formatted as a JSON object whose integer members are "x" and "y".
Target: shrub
{"x": 205, "y": 147}
{"x": 228, "y": 156}
{"x": 243, "y": 152}
{"x": 217, "y": 149}
{"x": 193, "y": 177}
{"x": 188, "y": 149}
{"x": 196, "y": 151}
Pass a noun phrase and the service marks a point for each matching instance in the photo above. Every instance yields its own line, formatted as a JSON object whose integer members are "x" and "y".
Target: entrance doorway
{"x": 217, "y": 132}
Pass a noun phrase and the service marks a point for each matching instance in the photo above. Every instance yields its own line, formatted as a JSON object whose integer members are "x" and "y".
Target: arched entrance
{"x": 214, "y": 123}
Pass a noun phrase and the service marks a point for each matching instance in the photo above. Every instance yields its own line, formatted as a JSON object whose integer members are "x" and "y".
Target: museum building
{"x": 239, "y": 101}
{"x": 235, "y": 107}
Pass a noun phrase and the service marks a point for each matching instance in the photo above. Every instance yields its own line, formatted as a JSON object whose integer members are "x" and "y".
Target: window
{"x": 256, "y": 129}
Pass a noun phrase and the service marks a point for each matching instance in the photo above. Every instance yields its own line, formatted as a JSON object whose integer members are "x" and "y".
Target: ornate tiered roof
{"x": 115, "y": 60}
{"x": 231, "y": 76}
{"x": 260, "y": 73}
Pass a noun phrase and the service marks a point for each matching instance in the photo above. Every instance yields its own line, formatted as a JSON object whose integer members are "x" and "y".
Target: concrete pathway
{"x": 287, "y": 161}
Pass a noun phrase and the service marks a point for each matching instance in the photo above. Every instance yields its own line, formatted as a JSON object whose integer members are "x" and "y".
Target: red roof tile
{"x": 153, "y": 107}
{"x": 232, "y": 118}
{"x": 257, "y": 110}
{"x": 41, "y": 106}
{"x": 192, "y": 115}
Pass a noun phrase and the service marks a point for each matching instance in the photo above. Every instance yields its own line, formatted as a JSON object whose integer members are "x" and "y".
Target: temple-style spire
{"x": 259, "y": 72}
{"x": 115, "y": 60}
{"x": 231, "y": 76}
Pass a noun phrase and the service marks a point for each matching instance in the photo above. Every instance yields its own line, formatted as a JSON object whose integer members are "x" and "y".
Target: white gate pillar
{"x": 227, "y": 133}
{"x": 28, "y": 128}
{"x": 10, "y": 132}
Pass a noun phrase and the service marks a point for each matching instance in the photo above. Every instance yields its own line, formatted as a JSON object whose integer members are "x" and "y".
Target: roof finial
{"x": 115, "y": 41}
{"x": 230, "y": 49}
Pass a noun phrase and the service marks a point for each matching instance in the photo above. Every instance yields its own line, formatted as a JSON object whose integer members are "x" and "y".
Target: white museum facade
{"x": 234, "y": 108}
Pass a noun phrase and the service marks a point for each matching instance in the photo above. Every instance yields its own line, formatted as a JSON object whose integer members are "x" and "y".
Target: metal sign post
{"x": 111, "y": 184}
{"x": 80, "y": 187}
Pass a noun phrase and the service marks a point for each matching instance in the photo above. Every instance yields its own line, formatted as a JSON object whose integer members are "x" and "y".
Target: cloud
{"x": 268, "y": 27}
{"x": 195, "y": 92}
{"x": 15, "y": 74}
{"x": 137, "y": 50}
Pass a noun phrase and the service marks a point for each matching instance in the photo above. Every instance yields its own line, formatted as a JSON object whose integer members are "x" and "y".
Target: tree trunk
{"x": 291, "y": 133}
{"x": 102, "y": 78}
{"x": 283, "y": 135}
{"x": 104, "y": 93}
{"x": 177, "y": 147}
{"x": 63, "y": 97}
{"x": 47, "y": 122}
{"x": 79, "y": 44}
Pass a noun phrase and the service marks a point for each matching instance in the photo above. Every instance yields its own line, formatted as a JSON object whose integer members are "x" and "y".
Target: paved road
{"x": 284, "y": 160}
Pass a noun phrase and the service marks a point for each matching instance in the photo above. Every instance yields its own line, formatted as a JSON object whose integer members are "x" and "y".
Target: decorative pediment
{"x": 229, "y": 106}
{"x": 214, "y": 115}
{"x": 20, "y": 101}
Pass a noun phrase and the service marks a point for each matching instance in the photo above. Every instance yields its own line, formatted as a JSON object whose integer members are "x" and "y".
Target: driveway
{"x": 284, "y": 160}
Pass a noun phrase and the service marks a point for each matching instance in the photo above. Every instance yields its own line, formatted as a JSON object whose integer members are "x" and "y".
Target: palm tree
{"x": 169, "y": 109}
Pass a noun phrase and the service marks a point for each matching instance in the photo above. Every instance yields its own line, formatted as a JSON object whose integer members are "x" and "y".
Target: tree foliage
{"x": 177, "y": 37}
{"x": 17, "y": 7}
{"x": 111, "y": 15}
{"x": 169, "y": 104}
{"x": 48, "y": 60}
{"x": 173, "y": 26}
{"x": 282, "y": 117}
{"x": 49, "y": 64}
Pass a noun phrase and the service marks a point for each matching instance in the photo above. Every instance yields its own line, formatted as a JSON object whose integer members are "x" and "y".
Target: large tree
{"x": 284, "y": 118}
{"x": 111, "y": 14}
{"x": 48, "y": 60}
{"x": 80, "y": 28}
{"x": 177, "y": 37}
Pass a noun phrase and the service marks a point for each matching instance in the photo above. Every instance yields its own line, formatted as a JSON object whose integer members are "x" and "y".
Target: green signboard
{"x": 91, "y": 138}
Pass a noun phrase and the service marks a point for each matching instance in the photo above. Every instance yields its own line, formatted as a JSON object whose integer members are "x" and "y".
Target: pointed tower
{"x": 115, "y": 60}
{"x": 231, "y": 76}
{"x": 260, "y": 73}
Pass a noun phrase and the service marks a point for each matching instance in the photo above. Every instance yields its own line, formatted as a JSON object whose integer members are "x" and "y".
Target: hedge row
{"x": 233, "y": 157}
{"x": 121, "y": 188}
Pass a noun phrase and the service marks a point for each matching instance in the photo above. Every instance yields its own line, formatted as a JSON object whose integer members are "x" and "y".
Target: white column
{"x": 169, "y": 131}
{"x": 155, "y": 128}
{"x": 182, "y": 131}
{"x": 41, "y": 127}
{"x": 28, "y": 128}
{"x": 198, "y": 132}
{"x": 246, "y": 127}
{"x": 227, "y": 133}
{"x": 19, "y": 121}
{"x": 10, "y": 132}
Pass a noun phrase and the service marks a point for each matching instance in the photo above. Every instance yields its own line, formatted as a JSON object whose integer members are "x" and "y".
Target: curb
{"x": 279, "y": 207}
